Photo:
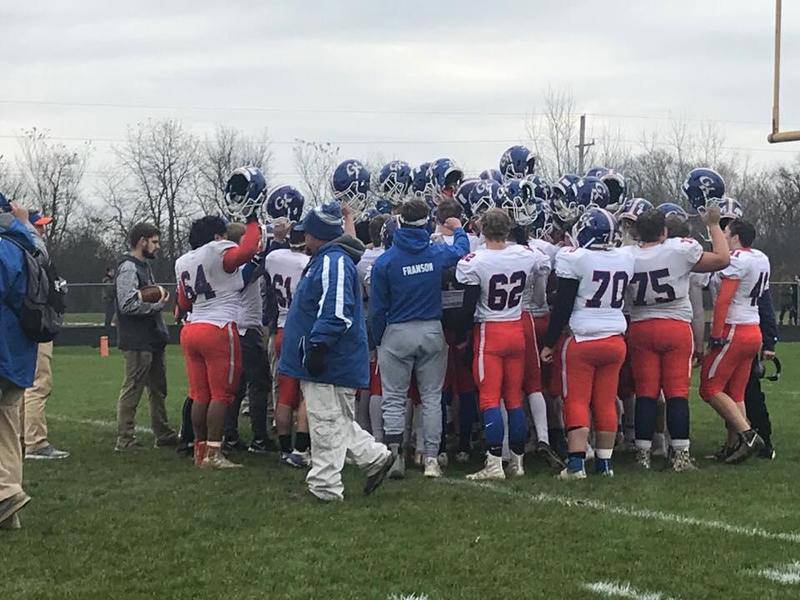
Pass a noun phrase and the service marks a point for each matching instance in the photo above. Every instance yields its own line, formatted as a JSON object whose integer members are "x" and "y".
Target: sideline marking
{"x": 613, "y": 589}
{"x": 96, "y": 423}
{"x": 639, "y": 513}
{"x": 787, "y": 574}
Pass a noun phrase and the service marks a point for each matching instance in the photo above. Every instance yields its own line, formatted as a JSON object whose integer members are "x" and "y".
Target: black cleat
{"x": 554, "y": 460}
{"x": 750, "y": 443}
{"x": 767, "y": 452}
{"x": 262, "y": 446}
{"x": 234, "y": 446}
{"x": 374, "y": 480}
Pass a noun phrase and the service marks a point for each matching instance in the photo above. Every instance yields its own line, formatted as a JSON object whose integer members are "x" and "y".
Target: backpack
{"x": 42, "y": 313}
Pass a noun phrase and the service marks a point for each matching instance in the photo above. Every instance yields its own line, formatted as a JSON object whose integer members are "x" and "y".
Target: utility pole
{"x": 582, "y": 145}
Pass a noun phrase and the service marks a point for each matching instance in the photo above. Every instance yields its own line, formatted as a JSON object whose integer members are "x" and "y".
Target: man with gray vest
{"x": 142, "y": 337}
{"x": 405, "y": 314}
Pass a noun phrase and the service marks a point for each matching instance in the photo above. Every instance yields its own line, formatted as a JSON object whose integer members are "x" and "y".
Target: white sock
{"x": 603, "y": 453}
{"x": 679, "y": 444}
{"x": 539, "y": 414}
{"x": 644, "y": 444}
{"x": 506, "y": 449}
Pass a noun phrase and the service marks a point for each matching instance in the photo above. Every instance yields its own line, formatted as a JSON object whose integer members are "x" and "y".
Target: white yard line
{"x": 787, "y": 574}
{"x": 614, "y": 589}
{"x": 408, "y": 597}
{"x": 631, "y": 511}
{"x": 95, "y": 423}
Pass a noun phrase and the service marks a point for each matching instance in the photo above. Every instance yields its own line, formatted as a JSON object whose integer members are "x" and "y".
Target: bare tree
{"x": 314, "y": 163}
{"x": 221, "y": 153}
{"x": 52, "y": 175}
{"x": 160, "y": 158}
{"x": 555, "y": 135}
{"x": 119, "y": 207}
{"x": 12, "y": 184}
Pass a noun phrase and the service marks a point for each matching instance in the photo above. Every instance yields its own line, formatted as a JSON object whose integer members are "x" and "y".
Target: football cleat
{"x": 749, "y": 443}
{"x": 350, "y": 184}
{"x": 701, "y": 186}
{"x": 567, "y": 475}
{"x": 305, "y": 457}
{"x": 493, "y": 469}
{"x": 394, "y": 181}
{"x": 244, "y": 193}
{"x": 721, "y": 454}
{"x": 216, "y": 460}
{"x": 398, "y": 468}
{"x": 432, "y": 468}
{"x": 443, "y": 459}
{"x": 681, "y": 461}
{"x": 517, "y": 162}
{"x": 376, "y": 479}
{"x": 285, "y": 201}
{"x": 292, "y": 459}
{"x": 643, "y": 458}
{"x": 602, "y": 467}
{"x": 516, "y": 467}
{"x": 553, "y": 459}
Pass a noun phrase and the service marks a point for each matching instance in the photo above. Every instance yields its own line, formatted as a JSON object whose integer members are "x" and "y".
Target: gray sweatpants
{"x": 419, "y": 347}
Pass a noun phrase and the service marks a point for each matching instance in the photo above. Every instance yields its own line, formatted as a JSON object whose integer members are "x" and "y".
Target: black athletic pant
{"x": 755, "y": 403}
{"x": 256, "y": 383}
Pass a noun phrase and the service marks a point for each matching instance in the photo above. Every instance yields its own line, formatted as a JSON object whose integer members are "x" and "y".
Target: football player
{"x": 660, "y": 333}
{"x": 592, "y": 278}
{"x": 735, "y": 339}
{"x": 500, "y": 270}
{"x": 209, "y": 283}
{"x": 445, "y": 176}
{"x": 284, "y": 268}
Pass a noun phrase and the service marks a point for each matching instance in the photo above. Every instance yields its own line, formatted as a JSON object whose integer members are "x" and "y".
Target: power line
{"x": 363, "y": 111}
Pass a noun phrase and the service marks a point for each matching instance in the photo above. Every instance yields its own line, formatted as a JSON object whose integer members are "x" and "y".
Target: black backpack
{"x": 42, "y": 313}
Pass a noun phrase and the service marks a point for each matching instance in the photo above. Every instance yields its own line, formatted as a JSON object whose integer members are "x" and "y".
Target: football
{"x": 152, "y": 293}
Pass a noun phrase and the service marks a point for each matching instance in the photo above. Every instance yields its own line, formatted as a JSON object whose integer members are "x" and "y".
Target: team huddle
{"x": 447, "y": 313}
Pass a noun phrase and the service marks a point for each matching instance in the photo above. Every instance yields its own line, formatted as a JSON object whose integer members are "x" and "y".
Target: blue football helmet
{"x": 516, "y": 199}
{"x": 670, "y": 208}
{"x": 632, "y": 208}
{"x": 517, "y": 162}
{"x": 617, "y": 187}
{"x": 394, "y": 181}
{"x": 350, "y": 184}
{"x": 701, "y": 185}
{"x": 462, "y": 195}
{"x": 388, "y": 230}
{"x": 598, "y": 172}
{"x": 730, "y": 208}
{"x": 541, "y": 224}
{"x": 485, "y": 195}
{"x": 563, "y": 187}
{"x": 421, "y": 186}
{"x": 285, "y": 201}
{"x": 383, "y": 206}
{"x": 541, "y": 188}
{"x": 244, "y": 192}
{"x": 445, "y": 176}
{"x": 591, "y": 191}
{"x": 492, "y": 174}
{"x": 595, "y": 228}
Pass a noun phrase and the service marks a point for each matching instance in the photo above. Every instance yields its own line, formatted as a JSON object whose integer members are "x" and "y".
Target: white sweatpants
{"x": 334, "y": 436}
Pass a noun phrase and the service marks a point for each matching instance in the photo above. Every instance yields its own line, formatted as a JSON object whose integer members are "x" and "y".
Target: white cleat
{"x": 492, "y": 470}
{"x": 515, "y": 466}
{"x": 567, "y": 475}
{"x": 432, "y": 468}
{"x": 643, "y": 458}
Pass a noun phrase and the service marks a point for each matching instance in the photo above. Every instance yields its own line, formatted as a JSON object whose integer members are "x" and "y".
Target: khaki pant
{"x": 334, "y": 436}
{"x": 34, "y": 424}
{"x": 143, "y": 369}
{"x": 10, "y": 447}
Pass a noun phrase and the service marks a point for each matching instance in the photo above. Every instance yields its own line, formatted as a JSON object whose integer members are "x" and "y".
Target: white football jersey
{"x": 751, "y": 267}
{"x": 501, "y": 275}
{"x": 438, "y": 238}
{"x": 603, "y": 276}
{"x": 534, "y": 298}
{"x": 284, "y": 269}
{"x": 213, "y": 292}
{"x": 365, "y": 265}
{"x": 659, "y": 288}
{"x": 550, "y": 249}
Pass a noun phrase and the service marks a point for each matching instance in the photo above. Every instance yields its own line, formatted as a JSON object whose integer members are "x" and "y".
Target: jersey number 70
{"x": 618, "y": 281}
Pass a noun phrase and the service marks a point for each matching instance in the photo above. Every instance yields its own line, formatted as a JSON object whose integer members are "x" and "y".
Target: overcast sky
{"x": 413, "y": 61}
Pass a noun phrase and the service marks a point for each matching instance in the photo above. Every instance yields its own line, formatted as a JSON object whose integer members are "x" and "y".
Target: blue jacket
{"x": 17, "y": 352}
{"x": 327, "y": 308}
{"x": 769, "y": 328}
{"x": 406, "y": 280}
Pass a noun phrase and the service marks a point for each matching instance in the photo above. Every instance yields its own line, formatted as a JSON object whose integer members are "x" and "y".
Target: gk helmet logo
{"x": 353, "y": 168}
{"x": 706, "y": 185}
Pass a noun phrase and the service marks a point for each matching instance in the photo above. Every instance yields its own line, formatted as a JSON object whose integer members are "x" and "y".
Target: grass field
{"x": 149, "y": 525}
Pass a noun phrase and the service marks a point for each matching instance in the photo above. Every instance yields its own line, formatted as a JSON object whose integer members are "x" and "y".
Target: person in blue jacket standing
{"x": 325, "y": 347}
{"x": 405, "y": 315}
{"x": 17, "y": 357}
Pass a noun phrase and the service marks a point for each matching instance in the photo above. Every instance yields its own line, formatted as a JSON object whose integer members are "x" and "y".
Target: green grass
{"x": 149, "y": 525}
{"x": 72, "y": 319}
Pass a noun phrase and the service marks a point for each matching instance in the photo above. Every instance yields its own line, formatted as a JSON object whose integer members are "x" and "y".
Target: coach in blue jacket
{"x": 405, "y": 315}
{"x": 325, "y": 347}
{"x": 17, "y": 357}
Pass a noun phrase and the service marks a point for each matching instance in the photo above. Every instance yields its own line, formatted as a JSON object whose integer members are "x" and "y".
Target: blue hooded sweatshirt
{"x": 406, "y": 280}
{"x": 327, "y": 309}
{"x": 17, "y": 352}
